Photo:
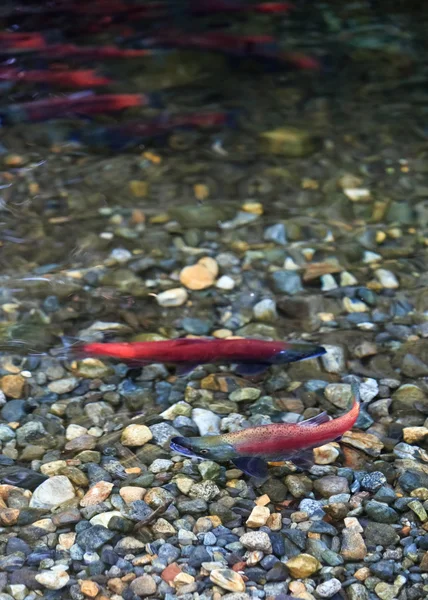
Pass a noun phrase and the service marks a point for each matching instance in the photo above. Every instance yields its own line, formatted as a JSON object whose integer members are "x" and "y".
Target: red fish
{"x": 79, "y": 78}
{"x": 253, "y": 356}
{"x": 251, "y": 448}
{"x": 54, "y": 108}
{"x": 28, "y": 41}
{"x": 60, "y": 51}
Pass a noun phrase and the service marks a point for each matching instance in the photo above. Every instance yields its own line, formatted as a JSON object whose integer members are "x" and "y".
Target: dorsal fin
{"x": 314, "y": 421}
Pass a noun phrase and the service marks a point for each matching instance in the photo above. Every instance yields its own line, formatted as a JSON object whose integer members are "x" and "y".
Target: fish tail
{"x": 71, "y": 349}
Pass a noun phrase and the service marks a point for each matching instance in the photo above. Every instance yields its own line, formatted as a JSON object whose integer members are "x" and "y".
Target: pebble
{"x": 13, "y": 386}
{"x": 227, "y": 580}
{"x": 206, "y": 421}
{"x": 200, "y": 276}
{"x": 246, "y": 394}
{"x": 225, "y": 283}
{"x": 387, "y": 279}
{"x": 329, "y": 588}
{"x": 172, "y": 298}
{"x": 136, "y": 435}
{"x": 265, "y": 311}
{"x": 302, "y": 566}
{"x": 63, "y": 386}
{"x": 258, "y": 517}
{"x": 372, "y": 482}
{"x": 334, "y": 359}
{"x": 52, "y": 492}
{"x": 415, "y": 435}
{"x": 353, "y": 546}
{"x": 97, "y": 494}
{"x": 331, "y": 485}
{"x": 256, "y": 540}
{"x": 326, "y": 454}
{"x": 275, "y": 233}
{"x": 287, "y": 282}
{"x": 144, "y": 586}
{"x": 339, "y": 394}
{"x": 53, "y": 580}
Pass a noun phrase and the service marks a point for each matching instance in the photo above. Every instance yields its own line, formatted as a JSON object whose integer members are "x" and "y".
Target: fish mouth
{"x": 179, "y": 444}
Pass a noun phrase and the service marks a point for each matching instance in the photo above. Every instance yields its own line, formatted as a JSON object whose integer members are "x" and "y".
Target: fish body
{"x": 253, "y": 356}
{"x": 54, "y": 108}
{"x": 72, "y": 78}
{"x": 250, "y": 449}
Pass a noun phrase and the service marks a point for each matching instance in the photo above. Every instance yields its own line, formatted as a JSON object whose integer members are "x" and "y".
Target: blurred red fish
{"x": 83, "y": 78}
{"x": 54, "y": 108}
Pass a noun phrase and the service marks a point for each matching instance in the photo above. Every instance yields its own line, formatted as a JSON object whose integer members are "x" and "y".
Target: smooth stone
{"x": 53, "y": 492}
{"x": 302, "y": 566}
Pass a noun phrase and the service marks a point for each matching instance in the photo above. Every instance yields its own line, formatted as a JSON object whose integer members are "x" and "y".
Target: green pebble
{"x": 245, "y": 394}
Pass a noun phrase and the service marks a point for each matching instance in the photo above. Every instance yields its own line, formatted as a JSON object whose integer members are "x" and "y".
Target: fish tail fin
{"x": 355, "y": 390}
{"x": 71, "y": 349}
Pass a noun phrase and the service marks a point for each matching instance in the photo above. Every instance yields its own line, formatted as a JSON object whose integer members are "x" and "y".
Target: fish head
{"x": 209, "y": 447}
{"x": 297, "y": 351}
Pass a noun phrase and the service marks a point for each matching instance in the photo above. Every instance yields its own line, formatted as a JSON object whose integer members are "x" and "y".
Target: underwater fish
{"x": 251, "y": 449}
{"x": 252, "y": 356}
{"x": 72, "y": 78}
{"x": 72, "y": 105}
{"x": 58, "y": 51}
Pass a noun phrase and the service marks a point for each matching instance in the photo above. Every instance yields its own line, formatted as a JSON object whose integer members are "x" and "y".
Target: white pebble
{"x": 172, "y": 298}
{"x": 206, "y": 421}
{"x": 328, "y": 283}
{"x": 265, "y": 310}
{"x": 53, "y": 580}
{"x": 290, "y": 265}
{"x": 328, "y": 588}
{"x": 370, "y": 257}
{"x": 346, "y": 278}
{"x": 160, "y": 465}
{"x": 334, "y": 359}
{"x": 52, "y": 492}
{"x": 74, "y": 431}
{"x": 369, "y": 389}
{"x": 387, "y": 279}
{"x": 225, "y": 283}
{"x": 121, "y": 255}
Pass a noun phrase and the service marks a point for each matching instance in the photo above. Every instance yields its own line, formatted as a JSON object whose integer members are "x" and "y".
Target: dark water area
{"x": 172, "y": 169}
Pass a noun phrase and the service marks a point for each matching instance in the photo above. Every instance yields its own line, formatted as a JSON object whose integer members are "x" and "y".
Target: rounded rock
{"x": 52, "y": 492}
{"x": 172, "y": 298}
{"x": 136, "y": 435}
{"x": 228, "y": 580}
{"x": 302, "y": 566}
{"x": 256, "y": 540}
{"x": 328, "y": 588}
{"x": 53, "y": 580}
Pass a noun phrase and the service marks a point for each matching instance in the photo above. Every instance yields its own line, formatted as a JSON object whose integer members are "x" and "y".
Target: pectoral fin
{"x": 251, "y": 368}
{"x": 251, "y": 465}
{"x": 304, "y": 459}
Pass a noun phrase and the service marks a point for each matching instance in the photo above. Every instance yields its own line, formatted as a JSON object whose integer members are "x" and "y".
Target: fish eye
{"x": 203, "y": 452}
